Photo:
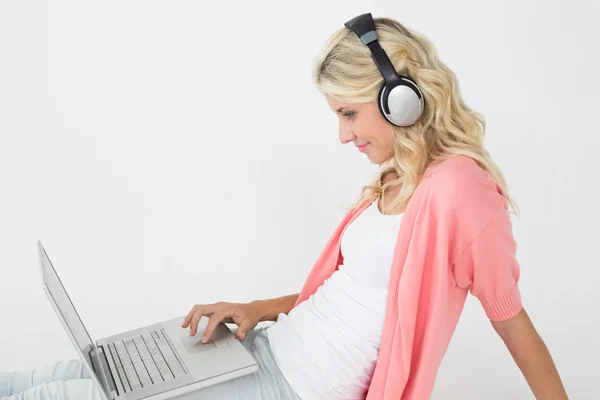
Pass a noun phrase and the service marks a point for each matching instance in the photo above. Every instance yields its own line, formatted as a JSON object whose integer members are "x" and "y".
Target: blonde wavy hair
{"x": 346, "y": 71}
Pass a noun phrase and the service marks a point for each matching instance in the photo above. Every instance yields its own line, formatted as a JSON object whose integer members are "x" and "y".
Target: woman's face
{"x": 364, "y": 126}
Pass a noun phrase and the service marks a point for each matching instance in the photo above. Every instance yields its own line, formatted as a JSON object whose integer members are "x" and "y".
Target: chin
{"x": 377, "y": 159}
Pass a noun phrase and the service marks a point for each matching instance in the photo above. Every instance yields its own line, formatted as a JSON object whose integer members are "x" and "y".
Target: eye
{"x": 348, "y": 114}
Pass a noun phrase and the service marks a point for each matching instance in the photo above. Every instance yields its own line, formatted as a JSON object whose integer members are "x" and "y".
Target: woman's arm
{"x": 245, "y": 315}
{"x": 531, "y": 355}
{"x": 270, "y": 309}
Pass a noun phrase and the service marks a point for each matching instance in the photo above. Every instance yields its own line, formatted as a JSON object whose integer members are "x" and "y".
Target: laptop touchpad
{"x": 194, "y": 343}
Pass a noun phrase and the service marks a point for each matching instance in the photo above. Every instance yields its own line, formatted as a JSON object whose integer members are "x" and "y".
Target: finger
{"x": 188, "y": 317}
{"x": 214, "y": 320}
{"x": 195, "y": 320}
{"x": 207, "y": 309}
{"x": 243, "y": 328}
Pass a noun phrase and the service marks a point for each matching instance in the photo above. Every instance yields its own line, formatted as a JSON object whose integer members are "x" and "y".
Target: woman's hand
{"x": 246, "y": 316}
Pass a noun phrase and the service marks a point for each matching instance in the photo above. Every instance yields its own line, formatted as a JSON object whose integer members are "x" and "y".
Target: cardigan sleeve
{"x": 488, "y": 267}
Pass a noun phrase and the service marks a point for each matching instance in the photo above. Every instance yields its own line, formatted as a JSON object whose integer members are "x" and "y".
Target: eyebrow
{"x": 341, "y": 109}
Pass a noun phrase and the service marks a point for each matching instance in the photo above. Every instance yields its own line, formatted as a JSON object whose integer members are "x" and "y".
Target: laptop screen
{"x": 66, "y": 310}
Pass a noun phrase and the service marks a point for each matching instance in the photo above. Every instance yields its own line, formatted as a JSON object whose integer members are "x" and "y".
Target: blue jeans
{"x": 69, "y": 380}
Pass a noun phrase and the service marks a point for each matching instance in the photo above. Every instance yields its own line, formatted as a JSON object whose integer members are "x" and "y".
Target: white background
{"x": 173, "y": 153}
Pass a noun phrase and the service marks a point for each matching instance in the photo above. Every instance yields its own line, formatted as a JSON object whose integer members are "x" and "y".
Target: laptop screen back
{"x": 64, "y": 307}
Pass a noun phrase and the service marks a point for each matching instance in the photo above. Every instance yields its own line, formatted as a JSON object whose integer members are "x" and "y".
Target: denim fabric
{"x": 68, "y": 380}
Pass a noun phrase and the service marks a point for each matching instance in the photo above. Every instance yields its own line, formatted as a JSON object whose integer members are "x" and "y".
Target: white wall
{"x": 173, "y": 153}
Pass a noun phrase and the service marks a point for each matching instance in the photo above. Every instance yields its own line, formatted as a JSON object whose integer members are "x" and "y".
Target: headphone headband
{"x": 364, "y": 27}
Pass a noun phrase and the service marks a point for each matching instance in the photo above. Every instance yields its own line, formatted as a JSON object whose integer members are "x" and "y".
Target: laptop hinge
{"x": 103, "y": 373}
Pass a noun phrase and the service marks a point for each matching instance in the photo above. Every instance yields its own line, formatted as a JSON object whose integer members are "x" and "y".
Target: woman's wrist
{"x": 269, "y": 310}
{"x": 261, "y": 309}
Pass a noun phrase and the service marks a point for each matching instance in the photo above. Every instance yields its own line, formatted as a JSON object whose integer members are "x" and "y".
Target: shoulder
{"x": 459, "y": 187}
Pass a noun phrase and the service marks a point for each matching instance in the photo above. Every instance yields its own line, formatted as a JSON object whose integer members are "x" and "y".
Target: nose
{"x": 345, "y": 134}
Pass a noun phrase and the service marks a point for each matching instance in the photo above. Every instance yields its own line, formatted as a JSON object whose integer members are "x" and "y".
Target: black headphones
{"x": 400, "y": 99}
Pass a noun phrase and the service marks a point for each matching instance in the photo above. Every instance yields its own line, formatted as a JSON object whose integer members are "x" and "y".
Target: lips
{"x": 362, "y": 148}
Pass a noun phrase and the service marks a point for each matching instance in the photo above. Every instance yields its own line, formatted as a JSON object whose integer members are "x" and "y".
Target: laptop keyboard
{"x": 145, "y": 360}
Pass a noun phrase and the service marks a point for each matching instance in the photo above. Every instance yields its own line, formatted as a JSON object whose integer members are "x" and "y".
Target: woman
{"x": 377, "y": 312}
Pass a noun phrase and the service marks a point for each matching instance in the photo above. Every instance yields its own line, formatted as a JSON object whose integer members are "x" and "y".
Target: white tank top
{"x": 327, "y": 346}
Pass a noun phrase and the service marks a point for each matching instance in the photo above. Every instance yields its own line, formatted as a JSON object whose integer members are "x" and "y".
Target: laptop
{"x": 160, "y": 361}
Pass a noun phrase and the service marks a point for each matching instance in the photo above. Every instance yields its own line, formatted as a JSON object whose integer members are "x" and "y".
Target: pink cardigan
{"x": 455, "y": 237}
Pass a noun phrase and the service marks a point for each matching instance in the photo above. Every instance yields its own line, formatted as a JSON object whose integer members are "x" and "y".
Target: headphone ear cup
{"x": 401, "y": 105}
{"x": 381, "y": 103}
